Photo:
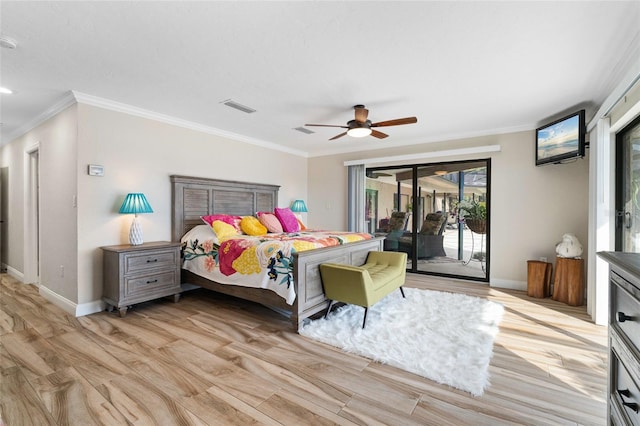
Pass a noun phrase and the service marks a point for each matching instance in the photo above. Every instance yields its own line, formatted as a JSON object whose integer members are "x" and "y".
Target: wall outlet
{"x": 61, "y": 271}
{"x": 543, "y": 259}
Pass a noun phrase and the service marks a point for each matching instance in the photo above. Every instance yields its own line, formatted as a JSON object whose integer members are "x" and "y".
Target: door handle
{"x": 627, "y": 217}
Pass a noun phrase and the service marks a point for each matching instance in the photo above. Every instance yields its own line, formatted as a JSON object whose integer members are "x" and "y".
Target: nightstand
{"x": 134, "y": 274}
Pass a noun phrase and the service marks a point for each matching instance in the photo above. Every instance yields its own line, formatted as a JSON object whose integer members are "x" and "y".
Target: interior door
{"x": 628, "y": 188}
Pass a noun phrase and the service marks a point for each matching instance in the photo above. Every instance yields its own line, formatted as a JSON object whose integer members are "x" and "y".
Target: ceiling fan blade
{"x": 396, "y": 122}
{"x": 378, "y": 134}
{"x": 327, "y": 125}
{"x": 338, "y": 136}
{"x": 361, "y": 113}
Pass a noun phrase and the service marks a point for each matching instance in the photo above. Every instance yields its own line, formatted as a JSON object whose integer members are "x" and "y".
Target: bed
{"x": 193, "y": 197}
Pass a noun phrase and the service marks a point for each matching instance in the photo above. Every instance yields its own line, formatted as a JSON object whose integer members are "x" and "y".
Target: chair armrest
{"x": 346, "y": 283}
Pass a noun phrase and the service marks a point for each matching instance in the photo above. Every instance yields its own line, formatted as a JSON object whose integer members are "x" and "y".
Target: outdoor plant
{"x": 473, "y": 210}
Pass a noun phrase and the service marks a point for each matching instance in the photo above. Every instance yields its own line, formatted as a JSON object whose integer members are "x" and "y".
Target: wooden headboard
{"x": 192, "y": 197}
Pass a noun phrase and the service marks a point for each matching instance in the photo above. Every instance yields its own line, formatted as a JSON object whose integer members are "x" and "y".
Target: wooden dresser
{"x": 134, "y": 274}
{"x": 624, "y": 338}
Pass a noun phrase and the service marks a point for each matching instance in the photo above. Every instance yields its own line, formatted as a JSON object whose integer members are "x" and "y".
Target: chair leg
{"x": 402, "y": 291}
{"x": 331, "y": 302}
{"x": 365, "y": 317}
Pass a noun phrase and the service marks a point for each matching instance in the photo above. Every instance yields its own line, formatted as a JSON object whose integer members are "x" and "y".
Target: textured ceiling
{"x": 462, "y": 68}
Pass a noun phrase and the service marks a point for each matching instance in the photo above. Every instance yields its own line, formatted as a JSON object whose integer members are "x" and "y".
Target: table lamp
{"x": 299, "y": 206}
{"x": 135, "y": 203}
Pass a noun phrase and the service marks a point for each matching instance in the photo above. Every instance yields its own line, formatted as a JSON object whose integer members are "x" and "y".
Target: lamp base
{"x": 135, "y": 233}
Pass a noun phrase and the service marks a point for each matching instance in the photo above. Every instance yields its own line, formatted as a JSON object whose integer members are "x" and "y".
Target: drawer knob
{"x": 151, "y": 260}
{"x": 152, "y": 281}
{"x": 622, "y": 317}
{"x": 631, "y": 405}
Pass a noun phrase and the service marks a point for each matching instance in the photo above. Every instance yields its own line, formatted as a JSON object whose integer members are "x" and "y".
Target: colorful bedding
{"x": 255, "y": 261}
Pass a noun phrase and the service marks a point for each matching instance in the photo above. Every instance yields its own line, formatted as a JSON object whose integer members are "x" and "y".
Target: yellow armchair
{"x": 364, "y": 285}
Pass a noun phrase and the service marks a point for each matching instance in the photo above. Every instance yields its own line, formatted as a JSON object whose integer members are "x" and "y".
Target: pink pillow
{"x": 226, "y": 218}
{"x": 270, "y": 221}
{"x": 288, "y": 220}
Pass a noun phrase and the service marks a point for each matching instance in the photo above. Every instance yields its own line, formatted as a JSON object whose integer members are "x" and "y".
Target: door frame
{"x": 32, "y": 214}
{"x": 619, "y": 221}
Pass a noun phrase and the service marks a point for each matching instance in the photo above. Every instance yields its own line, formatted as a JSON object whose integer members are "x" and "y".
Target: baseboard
{"x": 77, "y": 310}
{"x": 15, "y": 273}
{"x": 62, "y": 302}
{"x": 90, "y": 308}
{"x": 510, "y": 284}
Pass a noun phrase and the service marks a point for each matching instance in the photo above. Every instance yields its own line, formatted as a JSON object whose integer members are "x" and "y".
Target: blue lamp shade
{"x": 134, "y": 204}
{"x": 299, "y": 206}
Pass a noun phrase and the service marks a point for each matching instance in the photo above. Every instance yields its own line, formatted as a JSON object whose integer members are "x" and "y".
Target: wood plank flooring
{"x": 214, "y": 360}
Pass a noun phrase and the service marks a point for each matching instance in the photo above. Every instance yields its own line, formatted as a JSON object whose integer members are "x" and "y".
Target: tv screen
{"x": 561, "y": 140}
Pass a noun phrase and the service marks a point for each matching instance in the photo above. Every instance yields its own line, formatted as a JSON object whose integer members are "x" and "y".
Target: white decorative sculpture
{"x": 569, "y": 246}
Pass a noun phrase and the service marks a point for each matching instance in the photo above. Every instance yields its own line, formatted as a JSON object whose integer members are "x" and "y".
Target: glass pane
{"x": 391, "y": 214}
{"x": 630, "y": 207}
{"x": 464, "y": 249}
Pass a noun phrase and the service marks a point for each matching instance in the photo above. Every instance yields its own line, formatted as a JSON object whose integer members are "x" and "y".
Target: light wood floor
{"x": 212, "y": 360}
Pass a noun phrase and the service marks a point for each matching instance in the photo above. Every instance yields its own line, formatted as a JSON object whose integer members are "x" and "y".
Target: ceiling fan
{"x": 361, "y": 126}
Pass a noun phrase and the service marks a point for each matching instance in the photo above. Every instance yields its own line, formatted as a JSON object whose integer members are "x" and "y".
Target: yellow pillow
{"x": 224, "y": 231}
{"x": 251, "y": 226}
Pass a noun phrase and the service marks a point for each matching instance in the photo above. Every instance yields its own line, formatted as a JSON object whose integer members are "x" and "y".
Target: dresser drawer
{"x": 150, "y": 260}
{"x": 624, "y": 391}
{"x": 151, "y": 285}
{"x": 625, "y": 310}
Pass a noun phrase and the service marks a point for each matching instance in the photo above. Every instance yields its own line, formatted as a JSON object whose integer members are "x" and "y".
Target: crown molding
{"x": 151, "y": 115}
{"x": 63, "y": 103}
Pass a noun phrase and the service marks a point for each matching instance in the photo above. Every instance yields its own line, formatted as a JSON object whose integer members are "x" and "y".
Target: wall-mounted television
{"x": 561, "y": 140}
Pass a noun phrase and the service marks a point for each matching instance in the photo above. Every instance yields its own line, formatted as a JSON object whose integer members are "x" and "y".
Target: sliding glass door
{"x": 437, "y": 214}
{"x": 628, "y": 188}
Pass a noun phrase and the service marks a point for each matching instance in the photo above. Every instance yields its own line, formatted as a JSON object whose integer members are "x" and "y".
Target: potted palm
{"x": 475, "y": 215}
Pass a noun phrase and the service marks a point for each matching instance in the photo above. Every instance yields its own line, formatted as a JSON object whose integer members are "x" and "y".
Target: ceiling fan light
{"x": 359, "y": 132}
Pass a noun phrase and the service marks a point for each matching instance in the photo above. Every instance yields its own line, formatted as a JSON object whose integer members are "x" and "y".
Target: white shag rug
{"x": 445, "y": 337}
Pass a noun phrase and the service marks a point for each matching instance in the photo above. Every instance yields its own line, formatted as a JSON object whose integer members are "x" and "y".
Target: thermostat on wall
{"x": 96, "y": 170}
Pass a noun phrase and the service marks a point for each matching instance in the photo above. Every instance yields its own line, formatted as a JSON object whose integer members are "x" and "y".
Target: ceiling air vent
{"x": 234, "y": 104}
{"x": 303, "y": 130}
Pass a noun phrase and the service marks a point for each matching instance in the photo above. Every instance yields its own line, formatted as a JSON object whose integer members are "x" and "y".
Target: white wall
{"x": 58, "y": 212}
{"x": 56, "y": 142}
{"x": 139, "y": 155}
{"x": 13, "y": 159}
{"x": 532, "y": 207}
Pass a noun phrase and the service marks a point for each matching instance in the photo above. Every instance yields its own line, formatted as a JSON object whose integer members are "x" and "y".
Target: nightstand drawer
{"x": 148, "y": 285}
{"x": 150, "y": 260}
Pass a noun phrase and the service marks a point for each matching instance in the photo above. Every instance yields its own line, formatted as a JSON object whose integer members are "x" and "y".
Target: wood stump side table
{"x": 538, "y": 279}
{"x": 568, "y": 284}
